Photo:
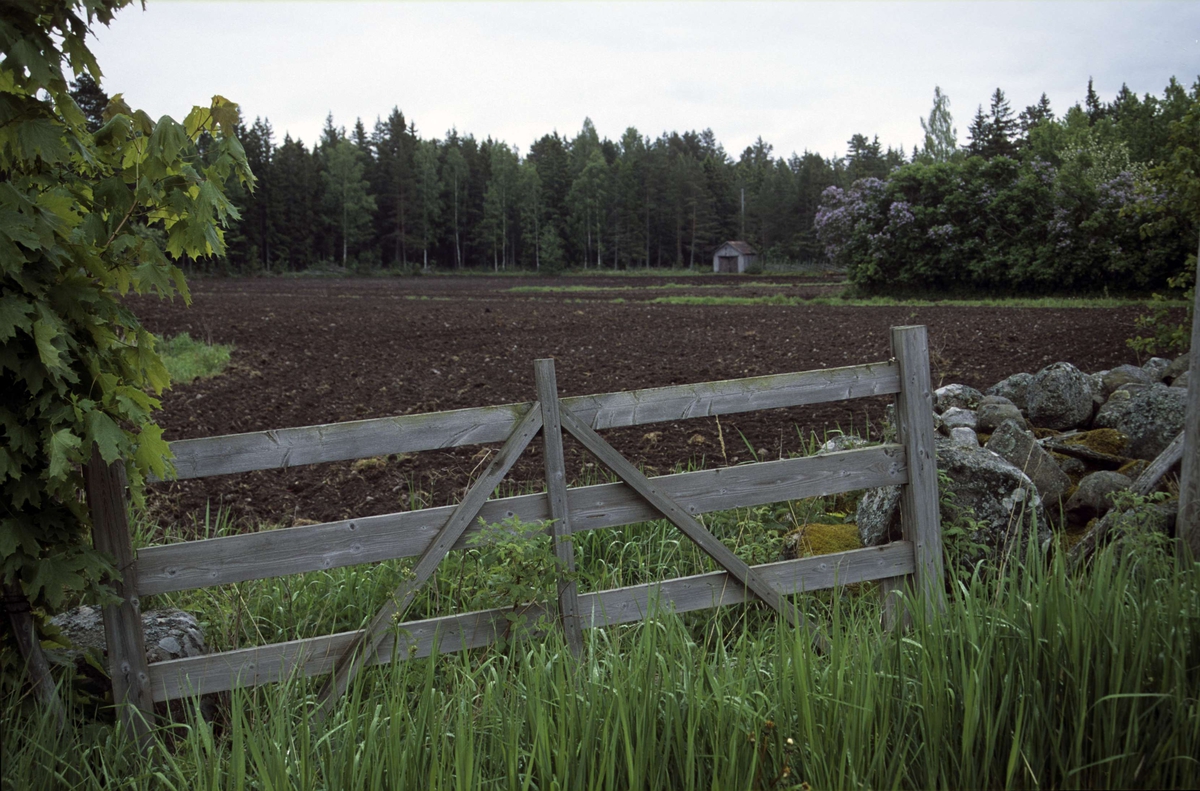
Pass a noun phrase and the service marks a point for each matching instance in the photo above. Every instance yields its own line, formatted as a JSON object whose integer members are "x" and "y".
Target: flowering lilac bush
{"x": 995, "y": 225}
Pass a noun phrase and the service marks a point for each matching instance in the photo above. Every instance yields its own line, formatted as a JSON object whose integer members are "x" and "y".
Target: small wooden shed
{"x": 734, "y": 257}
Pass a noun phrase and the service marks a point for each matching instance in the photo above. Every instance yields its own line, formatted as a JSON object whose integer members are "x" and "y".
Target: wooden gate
{"x": 430, "y": 533}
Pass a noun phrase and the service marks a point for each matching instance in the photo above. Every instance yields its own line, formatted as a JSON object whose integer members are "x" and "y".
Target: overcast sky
{"x": 803, "y": 75}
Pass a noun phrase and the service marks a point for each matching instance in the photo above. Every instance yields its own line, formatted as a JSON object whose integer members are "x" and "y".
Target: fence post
{"x": 1189, "y": 476}
{"x": 105, "y": 487}
{"x": 556, "y": 493}
{"x": 920, "y": 518}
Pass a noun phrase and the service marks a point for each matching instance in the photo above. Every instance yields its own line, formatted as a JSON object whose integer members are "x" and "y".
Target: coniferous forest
{"x": 1023, "y": 200}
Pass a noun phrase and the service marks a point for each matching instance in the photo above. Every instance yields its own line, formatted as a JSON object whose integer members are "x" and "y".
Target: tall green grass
{"x": 1038, "y": 679}
{"x": 189, "y": 359}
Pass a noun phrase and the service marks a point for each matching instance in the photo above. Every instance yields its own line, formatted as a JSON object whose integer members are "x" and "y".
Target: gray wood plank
{"x": 556, "y": 495}
{"x": 679, "y": 517}
{"x": 1188, "y": 520}
{"x": 105, "y": 489}
{"x": 218, "y": 561}
{"x": 1162, "y": 464}
{"x": 417, "y": 639}
{"x": 920, "y": 516}
{"x": 290, "y": 447}
{"x": 361, "y": 649}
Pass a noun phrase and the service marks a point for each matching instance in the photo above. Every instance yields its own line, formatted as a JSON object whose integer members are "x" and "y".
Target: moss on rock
{"x": 822, "y": 539}
{"x": 1101, "y": 440}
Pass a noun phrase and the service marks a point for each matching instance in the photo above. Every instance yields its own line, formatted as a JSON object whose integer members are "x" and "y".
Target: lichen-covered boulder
{"x": 878, "y": 516}
{"x": 1124, "y": 375}
{"x": 840, "y": 442}
{"x": 964, "y": 436}
{"x": 1073, "y": 467}
{"x": 1059, "y": 397}
{"x": 1177, "y": 367}
{"x": 1019, "y": 448}
{"x": 169, "y": 634}
{"x": 994, "y": 410}
{"x": 1093, "y": 498}
{"x": 1014, "y": 389}
{"x": 1149, "y": 416}
{"x": 1157, "y": 367}
{"x": 955, "y": 395}
{"x": 1183, "y": 380}
{"x": 957, "y": 417}
{"x": 999, "y": 499}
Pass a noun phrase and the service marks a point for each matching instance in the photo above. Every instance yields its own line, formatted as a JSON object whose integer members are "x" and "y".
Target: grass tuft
{"x": 188, "y": 359}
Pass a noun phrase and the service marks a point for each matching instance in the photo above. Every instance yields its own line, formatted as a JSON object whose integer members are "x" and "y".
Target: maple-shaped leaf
{"x": 105, "y": 433}
{"x": 59, "y": 450}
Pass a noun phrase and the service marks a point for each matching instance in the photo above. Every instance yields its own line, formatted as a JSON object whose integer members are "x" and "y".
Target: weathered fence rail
{"x": 429, "y": 534}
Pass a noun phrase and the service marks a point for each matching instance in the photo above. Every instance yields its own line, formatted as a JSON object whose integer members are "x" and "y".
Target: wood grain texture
{"x": 105, "y": 490}
{"x": 1162, "y": 464}
{"x": 676, "y": 514}
{"x": 271, "y": 553}
{"x": 290, "y": 447}
{"x": 556, "y": 496}
{"x": 920, "y": 517}
{"x": 1188, "y": 521}
{"x": 315, "y": 656}
{"x": 361, "y": 650}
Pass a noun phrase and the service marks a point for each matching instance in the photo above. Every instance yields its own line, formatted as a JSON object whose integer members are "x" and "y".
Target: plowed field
{"x": 321, "y": 351}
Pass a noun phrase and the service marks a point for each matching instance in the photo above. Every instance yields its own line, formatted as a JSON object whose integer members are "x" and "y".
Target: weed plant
{"x": 189, "y": 359}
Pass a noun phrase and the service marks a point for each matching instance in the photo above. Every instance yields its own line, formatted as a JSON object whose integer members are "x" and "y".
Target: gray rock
{"x": 1015, "y": 389}
{"x": 1124, "y": 375}
{"x": 169, "y": 634}
{"x": 1019, "y": 448}
{"x": 1059, "y": 397}
{"x": 1096, "y": 382}
{"x": 1177, "y": 366}
{"x": 993, "y": 411}
{"x": 840, "y": 442}
{"x": 1182, "y": 380}
{"x": 964, "y": 436}
{"x": 957, "y": 417}
{"x": 878, "y": 516}
{"x": 1000, "y": 500}
{"x": 1157, "y": 367}
{"x": 1093, "y": 498}
{"x": 956, "y": 395}
{"x": 1150, "y": 416}
{"x": 1073, "y": 467}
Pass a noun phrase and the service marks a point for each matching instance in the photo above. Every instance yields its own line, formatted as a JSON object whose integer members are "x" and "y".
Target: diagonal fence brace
{"x": 712, "y": 546}
{"x": 367, "y": 642}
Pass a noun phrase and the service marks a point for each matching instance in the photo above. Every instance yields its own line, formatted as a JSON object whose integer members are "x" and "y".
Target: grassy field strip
{"x": 576, "y": 289}
{"x": 1004, "y": 302}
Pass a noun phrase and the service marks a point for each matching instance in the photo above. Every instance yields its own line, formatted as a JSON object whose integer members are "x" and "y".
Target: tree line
{"x": 389, "y": 197}
{"x": 1103, "y": 197}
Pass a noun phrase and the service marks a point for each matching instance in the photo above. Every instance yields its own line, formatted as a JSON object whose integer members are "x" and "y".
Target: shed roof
{"x": 742, "y": 247}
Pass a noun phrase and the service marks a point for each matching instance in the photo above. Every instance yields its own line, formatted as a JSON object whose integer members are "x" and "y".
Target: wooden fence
{"x": 430, "y": 533}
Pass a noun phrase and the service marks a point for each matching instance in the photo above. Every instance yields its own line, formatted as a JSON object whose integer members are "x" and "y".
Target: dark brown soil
{"x": 323, "y": 350}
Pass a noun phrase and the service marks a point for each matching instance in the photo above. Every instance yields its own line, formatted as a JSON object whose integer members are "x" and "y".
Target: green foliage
{"x": 1068, "y": 207}
{"x": 187, "y": 360}
{"x": 84, "y": 219}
